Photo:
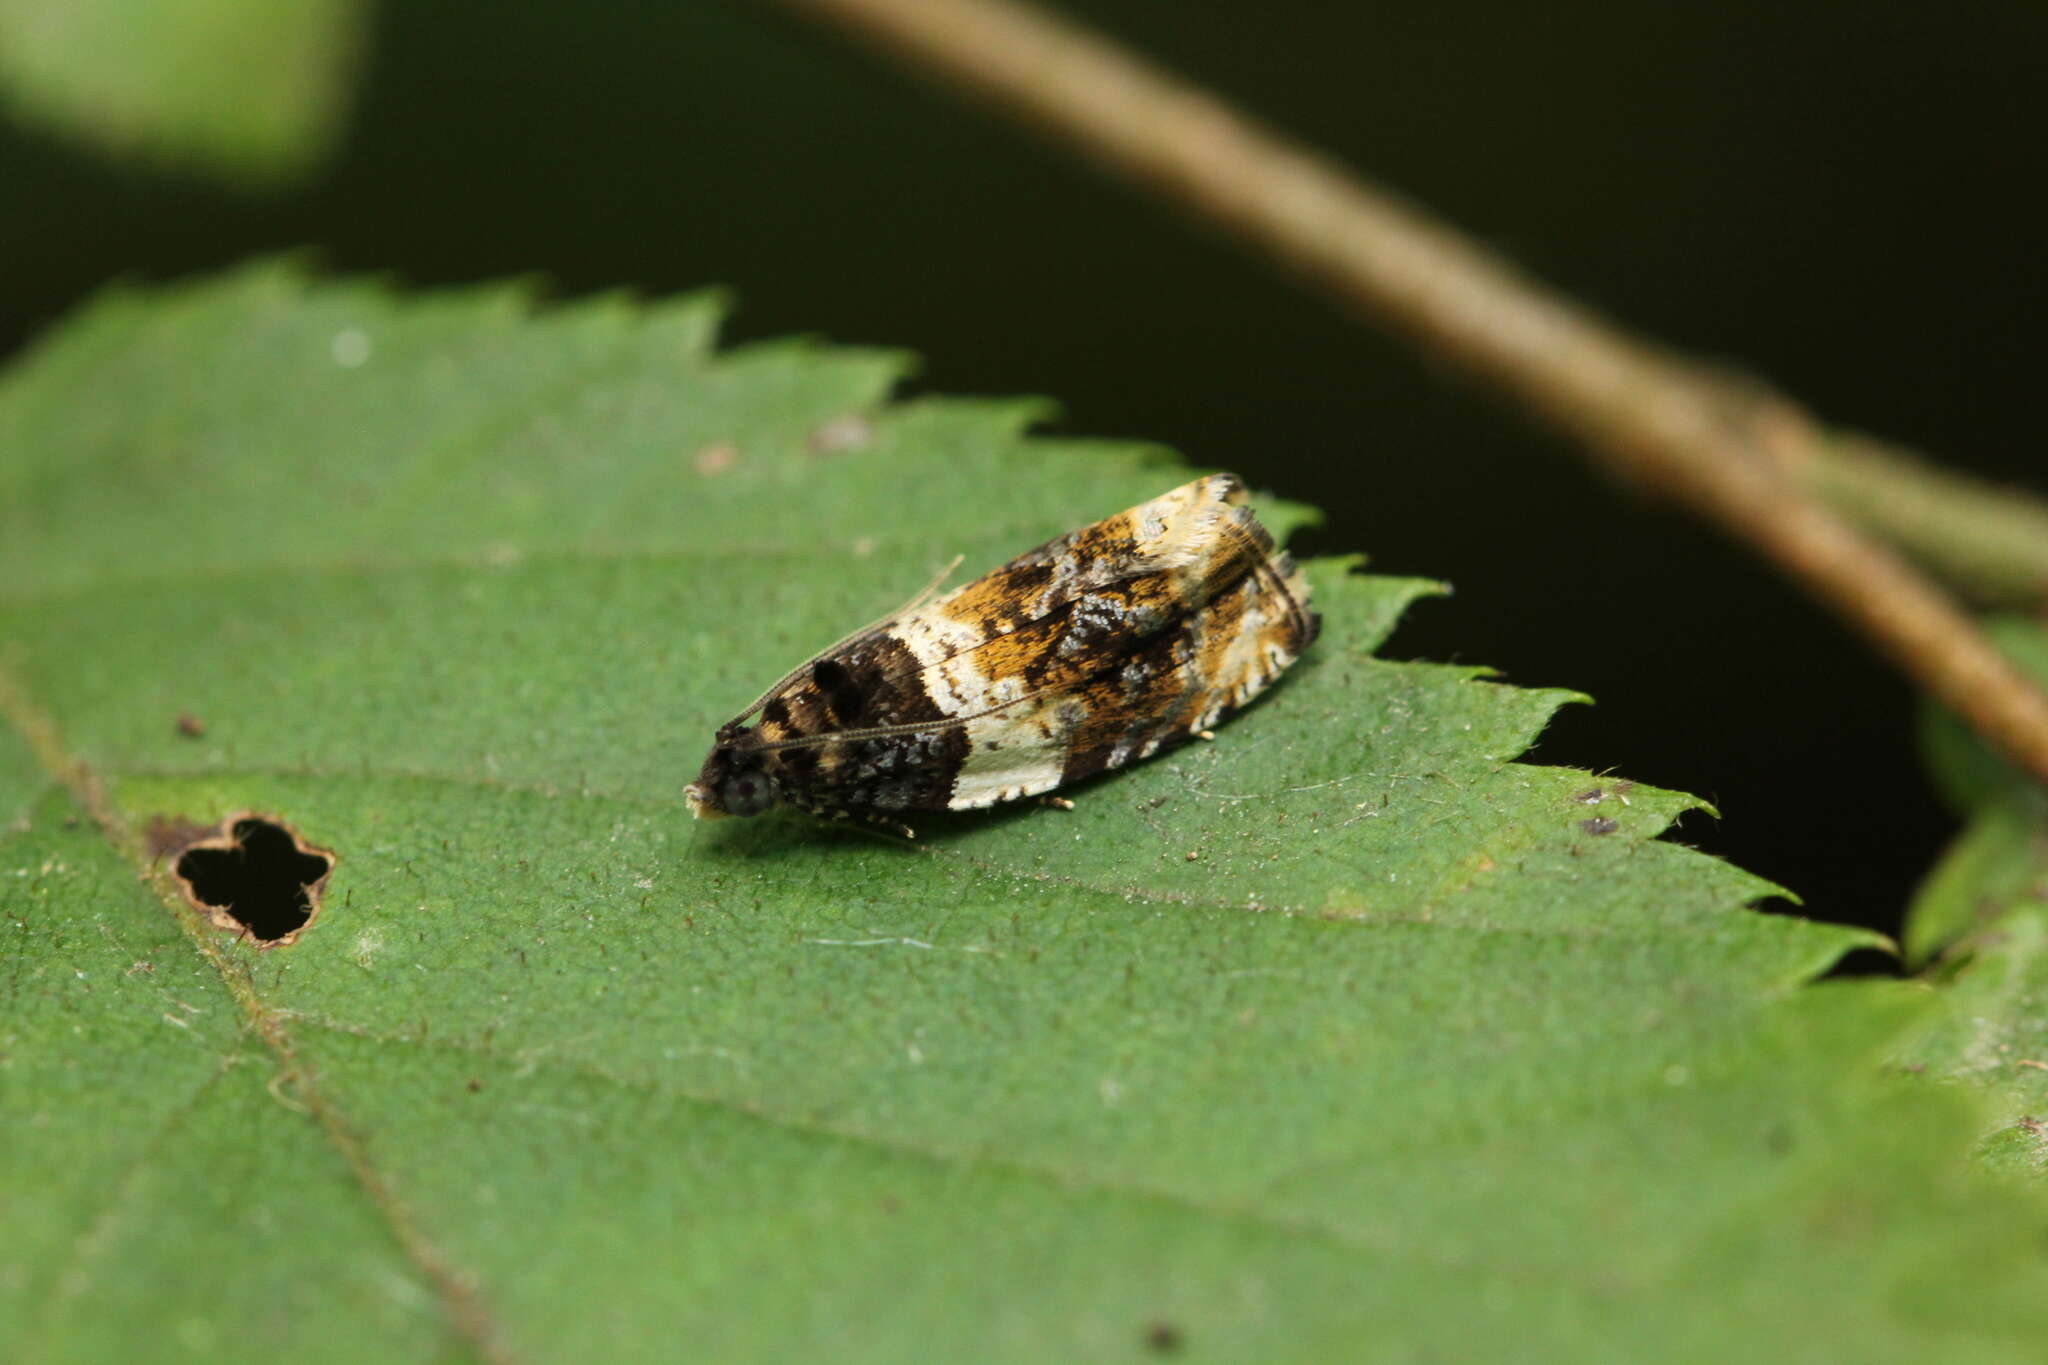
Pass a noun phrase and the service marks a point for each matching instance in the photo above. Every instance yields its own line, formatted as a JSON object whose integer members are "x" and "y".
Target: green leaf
{"x": 1342, "y": 1036}
{"x": 252, "y": 90}
{"x": 1997, "y": 862}
{"x": 1981, "y": 921}
{"x": 1965, "y": 770}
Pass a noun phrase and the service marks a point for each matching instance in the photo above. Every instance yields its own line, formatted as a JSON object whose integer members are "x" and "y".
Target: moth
{"x": 1097, "y": 649}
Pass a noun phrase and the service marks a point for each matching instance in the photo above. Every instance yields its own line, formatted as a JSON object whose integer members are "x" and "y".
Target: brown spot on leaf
{"x": 1164, "y": 1337}
{"x": 716, "y": 458}
{"x": 250, "y": 874}
{"x": 168, "y": 834}
{"x": 190, "y": 726}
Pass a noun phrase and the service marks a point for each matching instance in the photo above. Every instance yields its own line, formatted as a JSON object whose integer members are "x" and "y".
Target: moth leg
{"x": 1056, "y": 802}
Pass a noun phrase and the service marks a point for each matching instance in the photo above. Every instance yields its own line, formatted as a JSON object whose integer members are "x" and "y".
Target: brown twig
{"x": 1683, "y": 430}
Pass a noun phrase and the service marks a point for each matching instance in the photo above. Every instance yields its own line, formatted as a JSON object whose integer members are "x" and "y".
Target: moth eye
{"x": 746, "y": 793}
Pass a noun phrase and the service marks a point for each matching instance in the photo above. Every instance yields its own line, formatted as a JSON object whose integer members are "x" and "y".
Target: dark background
{"x": 1836, "y": 195}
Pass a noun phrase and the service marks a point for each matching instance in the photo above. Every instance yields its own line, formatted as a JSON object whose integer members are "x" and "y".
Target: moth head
{"x": 735, "y": 780}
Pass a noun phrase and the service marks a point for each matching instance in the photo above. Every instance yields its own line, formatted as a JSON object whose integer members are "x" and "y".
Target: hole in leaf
{"x": 250, "y": 873}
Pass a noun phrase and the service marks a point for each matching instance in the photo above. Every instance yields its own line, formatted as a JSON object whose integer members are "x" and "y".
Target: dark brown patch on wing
{"x": 845, "y": 700}
{"x": 1160, "y": 693}
{"x": 885, "y": 673}
{"x": 875, "y": 679}
{"x": 1143, "y": 688}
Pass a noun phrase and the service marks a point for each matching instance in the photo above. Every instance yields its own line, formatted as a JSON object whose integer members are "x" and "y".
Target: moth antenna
{"x": 884, "y": 731}
{"x": 912, "y": 605}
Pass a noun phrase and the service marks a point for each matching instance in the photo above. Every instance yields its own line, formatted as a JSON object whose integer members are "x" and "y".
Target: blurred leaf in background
{"x": 252, "y": 91}
{"x": 1979, "y": 927}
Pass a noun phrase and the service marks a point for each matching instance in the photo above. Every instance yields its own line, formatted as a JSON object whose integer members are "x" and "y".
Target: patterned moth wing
{"x": 1099, "y": 648}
